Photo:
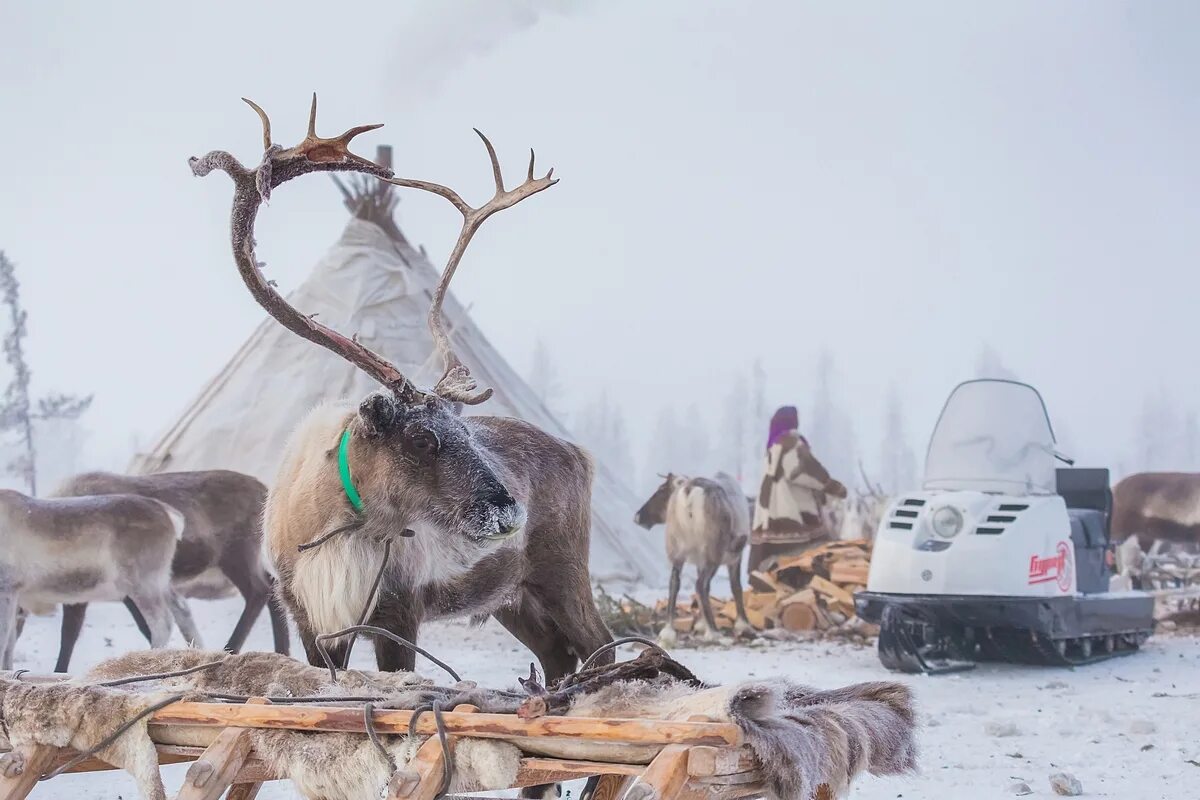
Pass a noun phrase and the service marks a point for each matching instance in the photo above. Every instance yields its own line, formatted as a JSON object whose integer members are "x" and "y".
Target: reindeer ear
{"x": 378, "y": 413}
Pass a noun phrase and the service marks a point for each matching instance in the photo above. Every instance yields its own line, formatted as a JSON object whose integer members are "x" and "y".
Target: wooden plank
{"x": 612, "y": 787}
{"x": 21, "y": 767}
{"x": 484, "y": 726}
{"x": 210, "y": 775}
{"x": 244, "y": 791}
{"x": 535, "y": 771}
{"x": 708, "y": 761}
{"x": 167, "y": 754}
{"x": 425, "y": 774}
{"x": 216, "y": 770}
{"x": 664, "y": 777}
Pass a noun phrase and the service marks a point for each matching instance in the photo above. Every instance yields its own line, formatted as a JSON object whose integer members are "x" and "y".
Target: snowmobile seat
{"x": 1089, "y": 535}
{"x": 1085, "y": 487}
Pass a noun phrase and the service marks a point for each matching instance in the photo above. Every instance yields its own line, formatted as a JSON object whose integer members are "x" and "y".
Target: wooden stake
{"x": 423, "y": 778}
{"x": 665, "y": 776}
{"x": 612, "y": 787}
{"x": 215, "y": 771}
{"x": 21, "y": 768}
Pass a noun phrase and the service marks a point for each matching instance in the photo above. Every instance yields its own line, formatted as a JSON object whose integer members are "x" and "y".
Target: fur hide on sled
{"x": 802, "y": 737}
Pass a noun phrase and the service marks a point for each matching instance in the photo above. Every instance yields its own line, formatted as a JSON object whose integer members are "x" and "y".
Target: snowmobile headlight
{"x": 947, "y": 521}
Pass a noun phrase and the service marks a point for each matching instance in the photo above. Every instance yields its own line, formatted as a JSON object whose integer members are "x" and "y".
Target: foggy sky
{"x": 897, "y": 183}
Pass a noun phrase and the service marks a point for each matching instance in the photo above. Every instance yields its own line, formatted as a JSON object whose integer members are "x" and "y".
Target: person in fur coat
{"x": 787, "y": 511}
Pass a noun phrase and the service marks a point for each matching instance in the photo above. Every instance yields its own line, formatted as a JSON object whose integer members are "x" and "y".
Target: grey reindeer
{"x": 483, "y": 515}
{"x": 221, "y": 548}
{"x": 708, "y": 525}
{"x": 88, "y": 549}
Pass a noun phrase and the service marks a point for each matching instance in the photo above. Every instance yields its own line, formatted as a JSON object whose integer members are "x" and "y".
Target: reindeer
{"x": 477, "y": 515}
{"x": 221, "y": 548}
{"x": 858, "y": 516}
{"x": 86, "y": 549}
{"x": 1154, "y": 512}
{"x": 708, "y": 524}
{"x": 1157, "y": 505}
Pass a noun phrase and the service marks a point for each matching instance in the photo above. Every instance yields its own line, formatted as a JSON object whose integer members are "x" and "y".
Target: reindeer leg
{"x": 182, "y": 613}
{"x": 666, "y": 637}
{"x": 8, "y": 627}
{"x": 72, "y": 625}
{"x": 279, "y": 624}
{"x": 255, "y": 589}
{"x": 704, "y": 576}
{"x": 540, "y": 635}
{"x": 157, "y": 611}
{"x": 742, "y": 627}
{"x": 399, "y": 613}
{"x": 138, "y": 619}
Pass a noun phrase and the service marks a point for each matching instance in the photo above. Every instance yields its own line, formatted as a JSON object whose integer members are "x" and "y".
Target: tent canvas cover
{"x": 374, "y": 283}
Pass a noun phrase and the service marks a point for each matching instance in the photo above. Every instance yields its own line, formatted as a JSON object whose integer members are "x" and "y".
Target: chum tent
{"x": 374, "y": 283}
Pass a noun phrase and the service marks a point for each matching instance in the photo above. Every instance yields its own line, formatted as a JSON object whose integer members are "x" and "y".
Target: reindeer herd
{"x": 387, "y": 511}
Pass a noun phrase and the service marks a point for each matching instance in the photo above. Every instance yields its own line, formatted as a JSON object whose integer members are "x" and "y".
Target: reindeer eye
{"x": 423, "y": 443}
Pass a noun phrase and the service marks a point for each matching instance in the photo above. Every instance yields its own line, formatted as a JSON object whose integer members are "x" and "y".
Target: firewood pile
{"x": 810, "y": 593}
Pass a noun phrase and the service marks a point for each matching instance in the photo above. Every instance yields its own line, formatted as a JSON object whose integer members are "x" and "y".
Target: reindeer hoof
{"x": 667, "y": 638}
{"x": 744, "y": 630}
{"x": 12, "y": 764}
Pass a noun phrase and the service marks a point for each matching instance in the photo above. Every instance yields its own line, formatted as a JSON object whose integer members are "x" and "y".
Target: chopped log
{"x": 764, "y": 582}
{"x": 831, "y": 590}
{"x": 799, "y": 612}
{"x": 849, "y": 571}
{"x": 683, "y": 624}
{"x": 763, "y": 601}
{"x": 756, "y": 618}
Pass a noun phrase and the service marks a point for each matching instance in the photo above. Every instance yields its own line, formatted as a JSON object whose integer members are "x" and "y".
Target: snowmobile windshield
{"x": 992, "y": 436}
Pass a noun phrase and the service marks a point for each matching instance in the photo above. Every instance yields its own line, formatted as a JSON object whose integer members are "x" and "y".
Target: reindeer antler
{"x": 253, "y": 186}
{"x": 316, "y": 154}
{"x": 456, "y": 382}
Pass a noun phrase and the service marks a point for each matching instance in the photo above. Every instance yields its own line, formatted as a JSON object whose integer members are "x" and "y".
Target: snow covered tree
{"x": 1159, "y": 443}
{"x": 603, "y": 431}
{"x": 544, "y": 379}
{"x": 829, "y": 429}
{"x": 897, "y": 461}
{"x": 17, "y": 411}
{"x": 735, "y": 431}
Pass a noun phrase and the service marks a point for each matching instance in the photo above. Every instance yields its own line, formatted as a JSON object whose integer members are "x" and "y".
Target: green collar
{"x": 344, "y": 470}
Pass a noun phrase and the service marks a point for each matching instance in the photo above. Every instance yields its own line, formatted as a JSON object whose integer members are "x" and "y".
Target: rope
{"x": 158, "y": 676}
{"x": 376, "y": 631}
{"x": 323, "y": 539}
{"x": 372, "y": 597}
{"x": 602, "y": 649}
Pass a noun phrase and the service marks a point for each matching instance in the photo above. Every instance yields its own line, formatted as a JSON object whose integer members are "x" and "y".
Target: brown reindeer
{"x": 1155, "y": 506}
{"x": 708, "y": 524}
{"x": 87, "y": 549}
{"x": 486, "y": 515}
{"x": 221, "y": 545}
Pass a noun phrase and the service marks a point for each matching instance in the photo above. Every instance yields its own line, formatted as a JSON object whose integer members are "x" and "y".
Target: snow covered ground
{"x": 1126, "y": 729}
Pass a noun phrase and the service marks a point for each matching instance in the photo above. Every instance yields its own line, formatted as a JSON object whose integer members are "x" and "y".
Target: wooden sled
{"x": 695, "y": 759}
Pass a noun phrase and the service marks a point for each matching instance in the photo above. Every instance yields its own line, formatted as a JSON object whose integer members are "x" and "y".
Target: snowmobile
{"x": 1001, "y": 555}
